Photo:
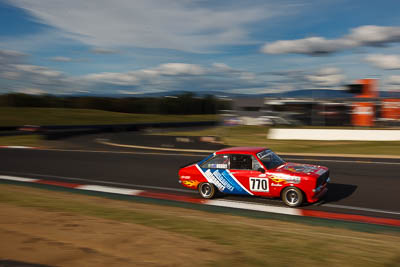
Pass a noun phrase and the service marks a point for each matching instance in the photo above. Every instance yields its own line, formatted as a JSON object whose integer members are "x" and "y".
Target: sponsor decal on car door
{"x": 224, "y": 180}
{"x": 216, "y": 171}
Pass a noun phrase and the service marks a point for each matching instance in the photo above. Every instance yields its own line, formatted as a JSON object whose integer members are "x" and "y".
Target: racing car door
{"x": 247, "y": 171}
{"x": 216, "y": 172}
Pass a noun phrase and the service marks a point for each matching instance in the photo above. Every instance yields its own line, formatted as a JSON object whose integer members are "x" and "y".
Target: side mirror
{"x": 261, "y": 170}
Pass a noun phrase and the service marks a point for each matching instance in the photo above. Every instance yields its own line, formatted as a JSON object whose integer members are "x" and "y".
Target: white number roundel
{"x": 258, "y": 184}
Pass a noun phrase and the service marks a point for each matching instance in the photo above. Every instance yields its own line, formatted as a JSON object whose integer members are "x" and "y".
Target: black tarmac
{"x": 364, "y": 186}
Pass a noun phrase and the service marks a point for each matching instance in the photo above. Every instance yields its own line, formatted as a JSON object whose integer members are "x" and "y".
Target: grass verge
{"x": 62, "y": 116}
{"x": 21, "y": 140}
{"x": 249, "y": 241}
{"x": 257, "y": 136}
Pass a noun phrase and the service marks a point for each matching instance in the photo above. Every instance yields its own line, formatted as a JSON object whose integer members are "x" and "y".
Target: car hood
{"x": 298, "y": 169}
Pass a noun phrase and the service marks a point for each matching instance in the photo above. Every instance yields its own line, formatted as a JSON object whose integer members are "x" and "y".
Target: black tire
{"x": 292, "y": 196}
{"x": 207, "y": 190}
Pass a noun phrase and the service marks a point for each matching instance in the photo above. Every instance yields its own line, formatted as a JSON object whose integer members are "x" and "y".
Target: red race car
{"x": 255, "y": 171}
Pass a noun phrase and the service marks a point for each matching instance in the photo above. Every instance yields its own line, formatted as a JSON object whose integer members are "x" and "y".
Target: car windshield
{"x": 270, "y": 159}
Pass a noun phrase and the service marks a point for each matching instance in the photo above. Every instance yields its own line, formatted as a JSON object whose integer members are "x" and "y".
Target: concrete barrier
{"x": 334, "y": 134}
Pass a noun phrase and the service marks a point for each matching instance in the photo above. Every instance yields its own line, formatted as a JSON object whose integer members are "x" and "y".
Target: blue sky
{"x": 140, "y": 46}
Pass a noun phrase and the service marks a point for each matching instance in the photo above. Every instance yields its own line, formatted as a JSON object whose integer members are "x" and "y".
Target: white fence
{"x": 334, "y": 134}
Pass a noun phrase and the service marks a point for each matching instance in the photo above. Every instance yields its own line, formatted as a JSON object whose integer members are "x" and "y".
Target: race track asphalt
{"x": 358, "y": 185}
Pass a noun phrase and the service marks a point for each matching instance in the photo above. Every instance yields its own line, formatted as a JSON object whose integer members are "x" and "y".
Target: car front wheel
{"x": 292, "y": 196}
{"x": 207, "y": 190}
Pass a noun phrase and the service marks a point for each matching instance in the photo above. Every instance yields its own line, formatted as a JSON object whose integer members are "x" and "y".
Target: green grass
{"x": 252, "y": 242}
{"x": 20, "y": 140}
{"x": 232, "y": 136}
{"x": 61, "y": 116}
{"x": 257, "y": 136}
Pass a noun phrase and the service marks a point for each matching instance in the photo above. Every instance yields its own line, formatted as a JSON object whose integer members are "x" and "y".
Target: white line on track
{"x": 359, "y": 208}
{"x": 345, "y": 161}
{"x": 253, "y": 206}
{"x": 155, "y": 148}
{"x": 102, "y": 182}
{"x": 107, "y": 189}
{"x": 107, "y": 142}
{"x": 246, "y": 205}
{"x": 19, "y": 179}
{"x": 18, "y": 147}
{"x": 122, "y": 152}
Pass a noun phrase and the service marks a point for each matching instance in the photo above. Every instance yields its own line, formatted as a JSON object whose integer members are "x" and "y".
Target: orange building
{"x": 390, "y": 109}
{"x": 369, "y": 88}
{"x": 363, "y": 114}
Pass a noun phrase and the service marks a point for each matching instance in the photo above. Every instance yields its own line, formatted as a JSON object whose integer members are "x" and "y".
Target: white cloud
{"x": 10, "y": 75}
{"x": 394, "y": 80}
{"x": 175, "y": 24}
{"x": 61, "y": 59}
{"x": 369, "y": 35}
{"x": 31, "y": 43}
{"x": 386, "y": 62}
{"x": 179, "y": 69}
{"x": 113, "y": 78}
{"x": 327, "y": 71}
{"x": 8, "y": 57}
{"x": 225, "y": 70}
{"x": 7, "y": 54}
{"x": 312, "y": 45}
{"x": 38, "y": 70}
{"x": 18, "y": 75}
{"x": 248, "y": 76}
{"x": 222, "y": 67}
{"x": 31, "y": 91}
{"x": 180, "y": 76}
{"x": 392, "y": 83}
{"x": 126, "y": 92}
{"x": 330, "y": 80}
{"x": 327, "y": 77}
{"x": 285, "y": 88}
{"x": 374, "y": 35}
{"x": 136, "y": 77}
{"x": 100, "y": 50}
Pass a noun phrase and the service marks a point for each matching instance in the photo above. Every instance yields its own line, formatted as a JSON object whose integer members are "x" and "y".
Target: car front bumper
{"x": 319, "y": 192}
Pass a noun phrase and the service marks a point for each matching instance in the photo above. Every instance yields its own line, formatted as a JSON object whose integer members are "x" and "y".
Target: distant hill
{"x": 315, "y": 93}
{"x": 295, "y": 93}
{"x": 311, "y": 93}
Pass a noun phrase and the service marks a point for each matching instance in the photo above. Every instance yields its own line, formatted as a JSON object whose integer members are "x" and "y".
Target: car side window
{"x": 241, "y": 162}
{"x": 256, "y": 164}
{"x": 218, "y": 162}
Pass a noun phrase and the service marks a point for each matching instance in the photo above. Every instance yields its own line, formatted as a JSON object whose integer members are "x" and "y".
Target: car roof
{"x": 241, "y": 150}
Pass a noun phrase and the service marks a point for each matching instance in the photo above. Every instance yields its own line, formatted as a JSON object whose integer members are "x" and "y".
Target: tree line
{"x": 184, "y": 104}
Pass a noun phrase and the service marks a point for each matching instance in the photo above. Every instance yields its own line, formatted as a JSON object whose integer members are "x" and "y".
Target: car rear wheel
{"x": 207, "y": 190}
{"x": 292, "y": 196}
